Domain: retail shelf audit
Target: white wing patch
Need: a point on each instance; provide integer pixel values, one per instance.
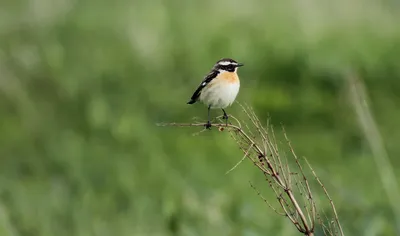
(204, 83)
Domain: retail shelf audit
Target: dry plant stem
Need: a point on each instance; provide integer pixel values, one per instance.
(306, 200)
(359, 98)
(266, 201)
(244, 157)
(328, 196)
(308, 230)
(303, 175)
(261, 148)
(305, 226)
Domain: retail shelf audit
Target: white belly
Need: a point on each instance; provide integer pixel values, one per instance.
(220, 95)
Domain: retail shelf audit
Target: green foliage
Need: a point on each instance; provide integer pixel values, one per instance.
(83, 84)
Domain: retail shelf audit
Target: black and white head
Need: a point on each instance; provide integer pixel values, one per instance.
(227, 64)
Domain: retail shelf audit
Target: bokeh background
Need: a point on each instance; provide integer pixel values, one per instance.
(83, 84)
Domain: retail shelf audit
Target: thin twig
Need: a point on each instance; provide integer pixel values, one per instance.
(266, 201)
(244, 157)
(328, 196)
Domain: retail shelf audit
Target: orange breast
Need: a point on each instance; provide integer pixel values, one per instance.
(230, 77)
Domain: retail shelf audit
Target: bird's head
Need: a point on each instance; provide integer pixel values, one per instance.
(227, 64)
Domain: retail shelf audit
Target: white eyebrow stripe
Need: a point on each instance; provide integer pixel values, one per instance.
(225, 63)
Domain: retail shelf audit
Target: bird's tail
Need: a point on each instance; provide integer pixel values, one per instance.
(191, 101)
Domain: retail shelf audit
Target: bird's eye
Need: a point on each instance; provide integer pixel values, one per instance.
(231, 68)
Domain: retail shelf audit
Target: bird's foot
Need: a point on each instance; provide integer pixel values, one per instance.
(208, 125)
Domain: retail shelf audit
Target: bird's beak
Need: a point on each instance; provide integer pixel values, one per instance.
(240, 64)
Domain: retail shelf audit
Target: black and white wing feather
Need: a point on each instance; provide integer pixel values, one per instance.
(203, 84)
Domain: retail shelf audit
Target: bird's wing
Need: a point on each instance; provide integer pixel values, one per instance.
(203, 84)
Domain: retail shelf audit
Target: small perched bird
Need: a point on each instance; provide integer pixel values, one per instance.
(219, 88)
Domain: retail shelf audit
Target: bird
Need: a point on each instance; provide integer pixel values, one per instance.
(219, 88)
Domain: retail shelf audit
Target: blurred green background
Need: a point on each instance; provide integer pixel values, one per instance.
(83, 83)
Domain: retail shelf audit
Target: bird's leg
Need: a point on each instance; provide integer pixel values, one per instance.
(208, 125)
(225, 117)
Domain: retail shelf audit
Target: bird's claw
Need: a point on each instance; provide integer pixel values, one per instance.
(208, 125)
